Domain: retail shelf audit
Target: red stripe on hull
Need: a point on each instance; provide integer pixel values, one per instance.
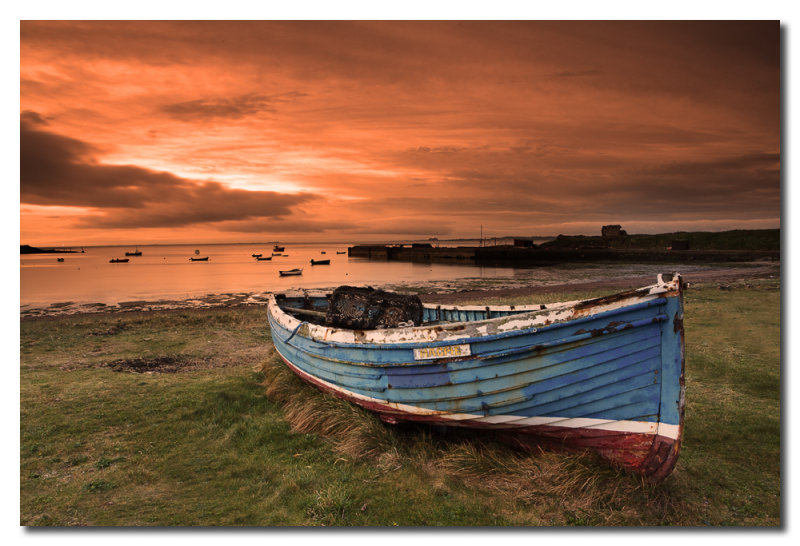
(650, 455)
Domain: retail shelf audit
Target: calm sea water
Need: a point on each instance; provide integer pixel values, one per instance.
(165, 272)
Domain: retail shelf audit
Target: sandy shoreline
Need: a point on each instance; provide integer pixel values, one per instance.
(449, 292)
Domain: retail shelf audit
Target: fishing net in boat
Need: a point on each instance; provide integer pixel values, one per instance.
(368, 308)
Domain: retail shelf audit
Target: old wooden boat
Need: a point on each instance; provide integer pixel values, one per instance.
(290, 272)
(263, 258)
(119, 260)
(320, 262)
(203, 259)
(604, 374)
(277, 248)
(256, 255)
(136, 252)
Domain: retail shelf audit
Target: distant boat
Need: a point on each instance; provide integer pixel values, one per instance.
(204, 259)
(276, 253)
(322, 252)
(118, 260)
(605, 374)
(320, 262)
(291, 272)
(256, 255)
(59, 259)
(277, 248)
(260, 259)
(136, 252)
(341, 252)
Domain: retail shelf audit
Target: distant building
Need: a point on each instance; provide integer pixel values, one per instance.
(613, 231)
(525, 243)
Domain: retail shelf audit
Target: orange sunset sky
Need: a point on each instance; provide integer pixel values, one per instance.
(212, 131)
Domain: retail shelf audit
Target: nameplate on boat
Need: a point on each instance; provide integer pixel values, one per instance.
(448, 351)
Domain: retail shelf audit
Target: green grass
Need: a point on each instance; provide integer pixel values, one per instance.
(232, 438)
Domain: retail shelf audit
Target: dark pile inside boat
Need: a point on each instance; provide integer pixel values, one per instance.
(368, 308)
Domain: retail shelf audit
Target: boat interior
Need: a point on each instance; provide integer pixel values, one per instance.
(315, 309)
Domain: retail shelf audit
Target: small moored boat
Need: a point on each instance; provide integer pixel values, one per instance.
(118, 260)
(320, 262)
(136, 252)
(341, 252)
(264, 259)
(290, 272)
(256, 255)
(203, 259)
(277, 248)
(604, 374)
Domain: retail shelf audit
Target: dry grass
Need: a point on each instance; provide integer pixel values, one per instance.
(545, 487)
(354, 432)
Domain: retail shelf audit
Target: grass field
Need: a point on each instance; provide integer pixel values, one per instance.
(187, 418)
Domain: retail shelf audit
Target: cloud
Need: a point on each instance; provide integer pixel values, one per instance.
(270, 225)
(32, 118)
(408, 226)
(575, 73)
(232, 108)
(58, 170)
(524, 188)
(725, 187)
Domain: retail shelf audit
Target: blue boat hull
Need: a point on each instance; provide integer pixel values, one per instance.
(604, 374)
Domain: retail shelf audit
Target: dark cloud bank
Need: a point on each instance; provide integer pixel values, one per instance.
(59, 170)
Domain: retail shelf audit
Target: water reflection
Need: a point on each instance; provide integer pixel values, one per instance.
(166, 272)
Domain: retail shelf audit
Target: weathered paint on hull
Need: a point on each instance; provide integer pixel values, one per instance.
(651, 455)
(606, 375)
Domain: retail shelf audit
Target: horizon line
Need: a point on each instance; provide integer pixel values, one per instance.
(381, 241)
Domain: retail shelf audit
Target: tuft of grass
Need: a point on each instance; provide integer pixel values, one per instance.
(105, 463)
(96, 486)
(353, 431)
(333, 505)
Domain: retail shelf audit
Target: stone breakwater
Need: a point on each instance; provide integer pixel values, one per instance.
(519, 256)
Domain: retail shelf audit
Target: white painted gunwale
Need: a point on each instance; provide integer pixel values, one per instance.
(531, 316)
